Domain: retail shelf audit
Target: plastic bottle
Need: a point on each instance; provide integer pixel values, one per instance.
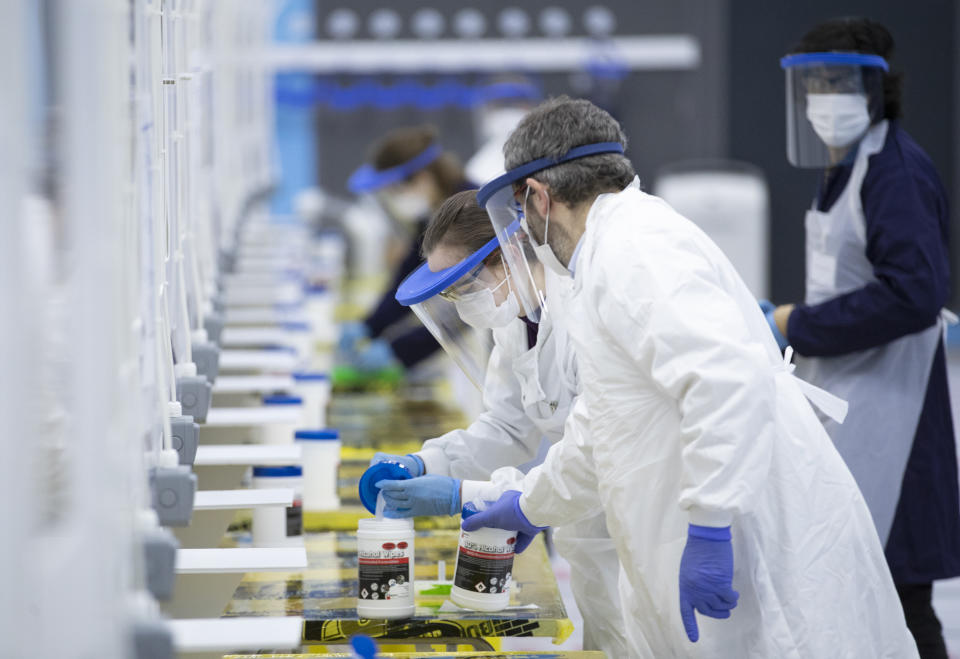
(321, 465)
(314, 388)
(282, 433)
(274, 526)
(385, 558)
(385, 567)
(481, 580)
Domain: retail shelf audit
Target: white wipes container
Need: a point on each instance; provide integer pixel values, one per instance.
(321, 466)
(385, 566)
(282, 433)
(300, 335)
(320, 306)
(313, 387)
(274, 526)
(484, 569)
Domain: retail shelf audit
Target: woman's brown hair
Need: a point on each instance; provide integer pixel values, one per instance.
(404, 144)
(459, 223)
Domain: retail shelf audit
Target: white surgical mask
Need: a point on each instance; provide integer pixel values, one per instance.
(406, 206)
(481, 311)
(838, 119)
(544, 252)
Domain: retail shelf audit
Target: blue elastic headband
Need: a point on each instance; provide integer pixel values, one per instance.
(524, 170)
(852, 59)
(423, 283)
(366, 178)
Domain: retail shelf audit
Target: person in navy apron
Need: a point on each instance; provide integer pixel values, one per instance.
(871, 327)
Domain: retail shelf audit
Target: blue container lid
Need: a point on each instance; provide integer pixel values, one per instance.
(278, 472)
(328, 434)
(310, 376)
(282, 400)
(382, 471)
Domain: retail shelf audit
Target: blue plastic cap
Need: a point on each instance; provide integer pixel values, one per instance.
(468, 511)
(309, 376)
(364, 646)
(317, 434)
(277, 472)
(382, 471)
(282, 400)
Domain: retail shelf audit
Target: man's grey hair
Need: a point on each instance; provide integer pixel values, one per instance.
(558, 125)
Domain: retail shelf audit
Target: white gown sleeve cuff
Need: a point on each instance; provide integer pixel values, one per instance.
(704, 517)
(484, 490)
(435, 461)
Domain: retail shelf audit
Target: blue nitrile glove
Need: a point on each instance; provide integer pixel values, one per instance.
(706, 576)
(505, 513)
(412, 462)
(350, 334)
(377, 356)
(424, 495)
(768, 308)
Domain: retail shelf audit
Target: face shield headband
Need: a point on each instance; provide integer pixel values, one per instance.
(367, 179)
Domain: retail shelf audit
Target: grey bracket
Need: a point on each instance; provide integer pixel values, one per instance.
(217, 302)
(152, 639)
(172, 490)
(213, 323)
(227, 260)
(185, 436)
(194, 393)
(206, 356)
(160, 551)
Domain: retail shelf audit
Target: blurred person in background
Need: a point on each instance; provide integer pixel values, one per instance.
(870, 329)
(410, 174)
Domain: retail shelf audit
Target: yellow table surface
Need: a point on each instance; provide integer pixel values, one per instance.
(325, 595)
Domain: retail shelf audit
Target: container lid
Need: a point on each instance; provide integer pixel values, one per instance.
(310, 376)
(277, 472)
(282, 400)
(328, 434)
(382, 471)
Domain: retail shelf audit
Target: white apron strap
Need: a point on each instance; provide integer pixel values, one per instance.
(833, 406)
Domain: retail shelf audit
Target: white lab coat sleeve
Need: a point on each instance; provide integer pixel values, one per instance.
(563, 490)
(672, 314)
(502, 435)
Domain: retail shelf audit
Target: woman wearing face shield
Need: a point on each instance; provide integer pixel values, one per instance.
(529, 384)
(870, 329)
(410, 175)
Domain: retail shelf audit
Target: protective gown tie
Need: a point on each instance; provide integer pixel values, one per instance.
(833, 406)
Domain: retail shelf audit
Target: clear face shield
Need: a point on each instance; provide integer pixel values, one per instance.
(503, 198)
(459, 303)
(832, 100)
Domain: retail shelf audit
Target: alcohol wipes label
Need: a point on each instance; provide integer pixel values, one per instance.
(295, 520)
(384, 575)
(483, 568)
